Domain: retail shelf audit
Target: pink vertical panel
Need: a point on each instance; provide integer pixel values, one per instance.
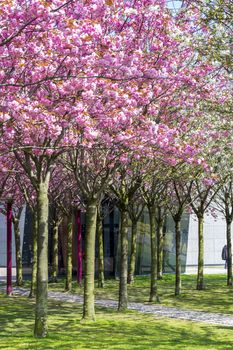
(79, 248)
(9, 248)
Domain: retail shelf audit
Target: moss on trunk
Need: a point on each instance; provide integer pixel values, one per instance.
(41, 329)
(99, 231)
(88, 305)
(69, 238)
(178, 251)
(160, 248)
(54, 273)
(153, 238)
(34, 253)
(19, 269)
(123, 294)
(133, 252)
(200, 272)
(79, 249)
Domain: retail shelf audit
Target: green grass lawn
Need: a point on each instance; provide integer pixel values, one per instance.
(217, 297)
(111, 331)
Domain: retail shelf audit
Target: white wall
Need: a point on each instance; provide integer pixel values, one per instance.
(214, 240)
(3, 238)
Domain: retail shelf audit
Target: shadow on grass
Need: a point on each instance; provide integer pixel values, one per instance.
(111, 331)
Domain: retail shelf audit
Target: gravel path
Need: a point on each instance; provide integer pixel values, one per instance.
(164, 311)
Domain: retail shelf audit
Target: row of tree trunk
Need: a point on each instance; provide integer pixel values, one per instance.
(94, 226)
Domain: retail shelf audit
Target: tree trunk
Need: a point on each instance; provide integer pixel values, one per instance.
(178, 251)
(133, 252)
(41, 328)
(160, 249)
(88, 305)
(123, 295)
(54, 273)
(153, 237)
(34, 254)
(79, 249)
(99, 231)
(68, 285)
(9, 249)
(200, 272)
(229, 253)
(19, 268)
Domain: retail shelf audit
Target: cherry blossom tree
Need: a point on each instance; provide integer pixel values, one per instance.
(85, 83)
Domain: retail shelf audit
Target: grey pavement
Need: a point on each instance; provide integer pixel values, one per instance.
(159, 310)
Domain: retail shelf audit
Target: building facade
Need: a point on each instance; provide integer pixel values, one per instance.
(214, 240)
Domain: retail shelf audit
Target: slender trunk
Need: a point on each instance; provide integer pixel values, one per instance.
(34, 254)
(88, 305)
(153, 237)
(19, 268)
(229, 253)
(9, 249)
(178, 251)
(54, 273)
(200, 272)
(123, 295)
(79, 249)
(99, 231)
(160, 249)
(68, 285)
(41, 328)
(133, 252)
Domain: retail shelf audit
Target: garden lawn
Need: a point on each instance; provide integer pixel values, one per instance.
(111, 331)
(216, 297)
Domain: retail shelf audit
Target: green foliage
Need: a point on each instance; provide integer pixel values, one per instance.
(111, 331)
(217, 15)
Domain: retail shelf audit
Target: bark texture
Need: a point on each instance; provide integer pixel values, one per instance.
(153, 237)
(123, 294)
(160, 248)
(88, 305)
(68, 284)
(41, 311)
(19, 268)
(79, 249)
(133, 253)
(54, 273)
(34, 254)
(178, 251)
(200, 272)
(99, 231)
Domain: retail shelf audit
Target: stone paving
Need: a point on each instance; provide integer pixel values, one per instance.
(159, 310)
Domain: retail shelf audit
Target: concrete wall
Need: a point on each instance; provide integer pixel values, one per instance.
(214, 240)
(3, 238)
